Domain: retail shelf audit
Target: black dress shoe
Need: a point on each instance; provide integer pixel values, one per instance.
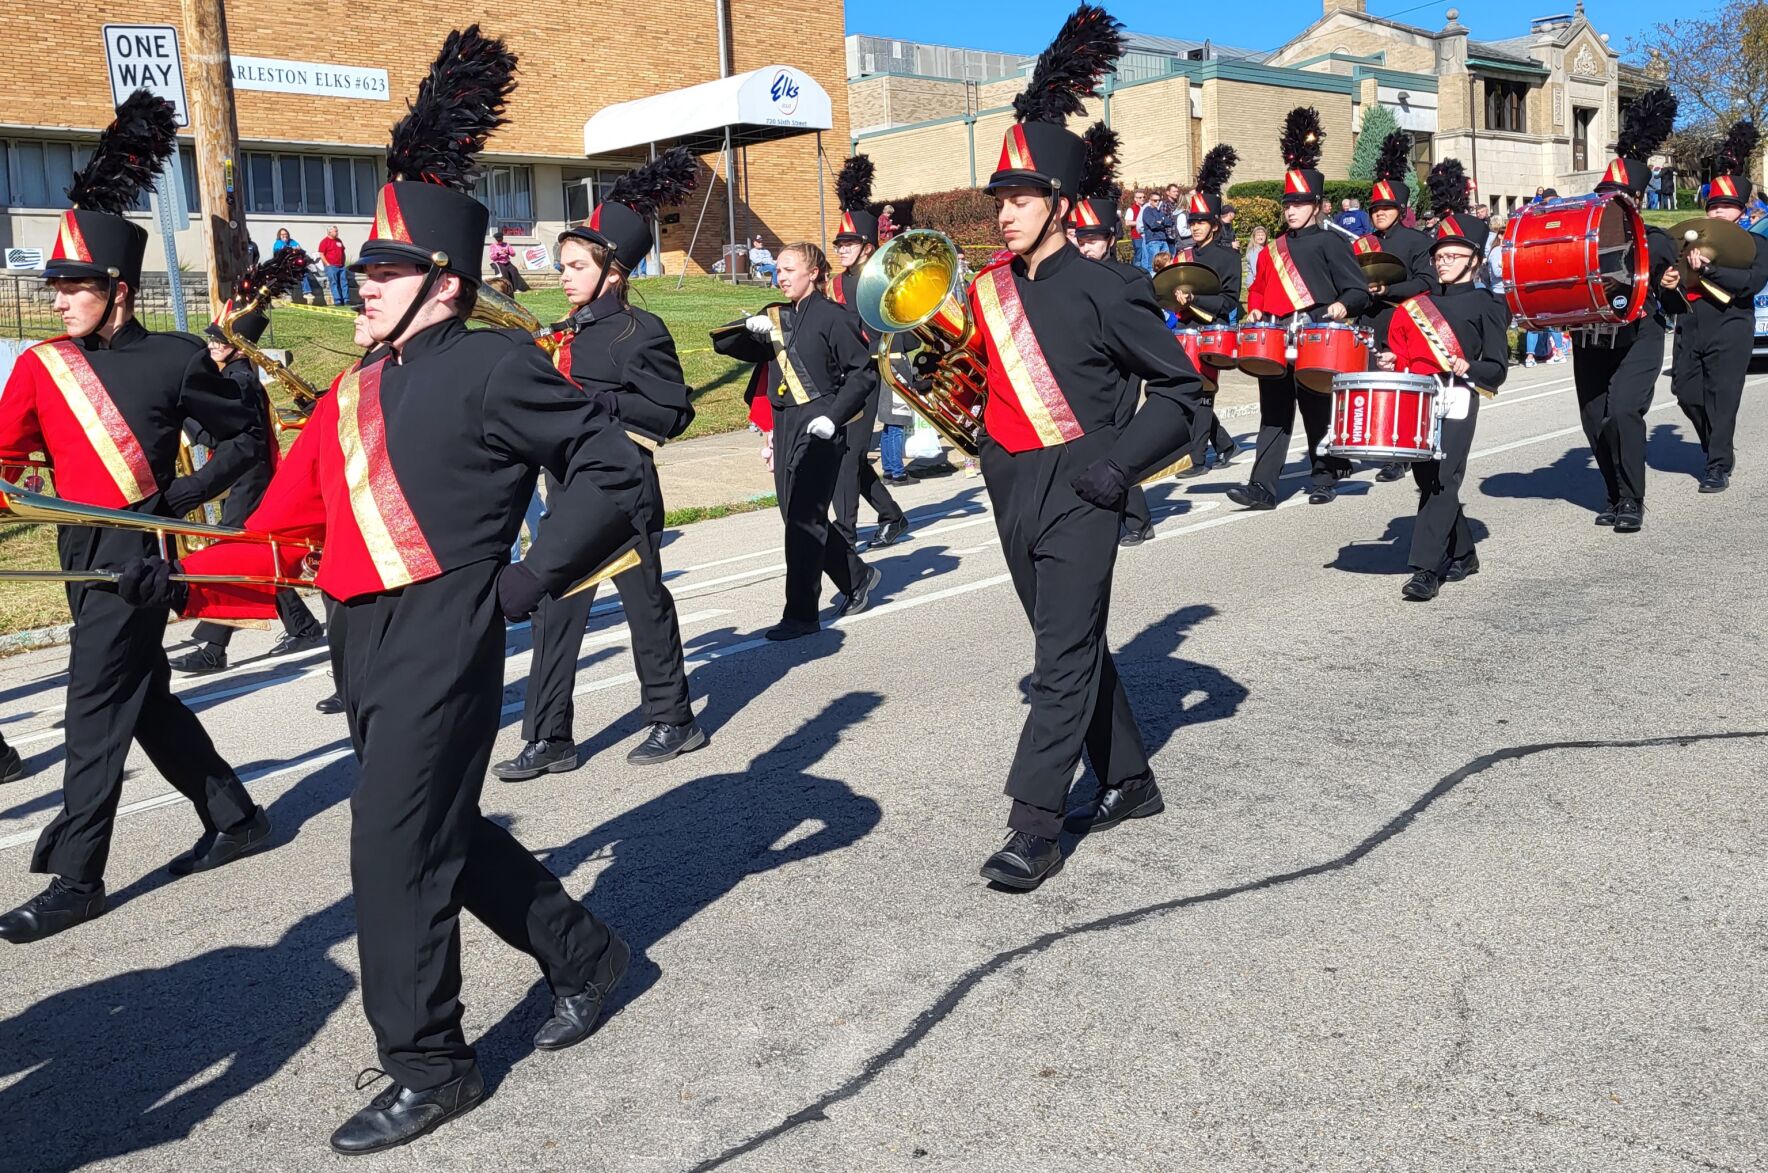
(206, 659)
(1322, 495)
(1423, 586)
(1629, 516)
(787, 629)
(58, 907)
(861, 598)
(1253, 496)
(666, 741)
(1114, 805)
(288, 645)
(1194, 469)
(891, 532)
(1023, 862)
(1224, 457)
(216, 848)
(1715, 482)
(12, 766)
(1460, 568)
(1393, 470)
(575, 1017)
(331, 706)
(555, 756)
(899, 481)
(1607, 515)
(399, 1115)
(1135, 535)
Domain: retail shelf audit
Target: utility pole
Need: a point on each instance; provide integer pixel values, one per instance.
(209, 78)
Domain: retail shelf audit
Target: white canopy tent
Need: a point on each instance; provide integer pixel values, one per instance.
(762, 105)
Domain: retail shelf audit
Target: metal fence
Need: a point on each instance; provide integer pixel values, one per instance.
(27, 308)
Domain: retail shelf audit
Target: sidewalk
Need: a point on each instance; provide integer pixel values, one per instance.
(727, 469)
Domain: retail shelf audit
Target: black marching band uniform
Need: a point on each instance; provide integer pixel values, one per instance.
(300, 630)
(1715, 337)
(817, 374)
(612, 342)
(1615, 369)
(108, 415)
(1064, 346)
(1305, 272)
(416, 472)
(1205, 209)
(1429, 332)
(1407, 247)
(853, 187)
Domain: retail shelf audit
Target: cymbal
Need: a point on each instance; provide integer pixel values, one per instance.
(1382, 268)
(1195, 279)
(1723, 242)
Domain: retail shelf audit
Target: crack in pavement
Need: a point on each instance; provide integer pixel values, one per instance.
(959, 989)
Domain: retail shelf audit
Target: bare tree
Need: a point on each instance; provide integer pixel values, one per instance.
(1717, 67)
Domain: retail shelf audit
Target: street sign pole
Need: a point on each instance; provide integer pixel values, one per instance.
(168, 189)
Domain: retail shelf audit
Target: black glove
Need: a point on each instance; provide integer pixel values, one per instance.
(146, 584)
(518, 592)
(182, 496)
(1102, 483)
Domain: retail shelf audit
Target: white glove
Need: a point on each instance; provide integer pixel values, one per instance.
(822, 427)
(759, 325)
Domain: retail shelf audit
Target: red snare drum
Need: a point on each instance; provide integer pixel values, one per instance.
(1262, 349)
(1326, 349)
(1218, 346)
(1191, 342)
(1578, 261)
(1384, 417)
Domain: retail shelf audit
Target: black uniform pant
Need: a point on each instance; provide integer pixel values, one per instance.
(1279, 396)
(421, 674)
(297, 620)
(1208, 432)
(119, 689)
(1615, 386)
(1712, 360)
(1441, 531)
(650, 618)
(805, 471)
(859, 479)
(1061, 552)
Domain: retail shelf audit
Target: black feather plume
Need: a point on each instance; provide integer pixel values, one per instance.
(1084, 51)
(458, 107)
(1303, 138)
(128, 156)
(270, 279)
(1740, 143)
(664, 182)
(1098, 180)
(1218, 165)
(853, 185)
(1646, 125)
(1395, 160)
(1448, 186)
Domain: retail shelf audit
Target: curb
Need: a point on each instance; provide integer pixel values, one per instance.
(37, 637)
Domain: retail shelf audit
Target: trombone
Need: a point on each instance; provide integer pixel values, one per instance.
(299, 390)
(505, 312)
(23, 507)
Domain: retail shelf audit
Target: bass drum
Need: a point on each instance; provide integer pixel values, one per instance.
(1579, 261)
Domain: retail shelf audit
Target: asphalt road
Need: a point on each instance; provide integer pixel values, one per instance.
(1473, 885)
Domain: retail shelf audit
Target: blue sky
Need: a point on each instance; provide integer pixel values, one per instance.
(1255, 24)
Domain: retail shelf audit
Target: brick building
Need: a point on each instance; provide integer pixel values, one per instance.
(315, 158)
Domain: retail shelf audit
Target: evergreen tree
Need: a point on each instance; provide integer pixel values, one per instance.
(1378, 123)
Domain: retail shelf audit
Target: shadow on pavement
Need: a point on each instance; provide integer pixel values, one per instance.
(1392, 551)
(1572, 477)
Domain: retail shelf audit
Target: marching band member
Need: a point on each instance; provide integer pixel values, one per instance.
(1455, 329)
(1715, 337)
(612, 342)
(1209, 248)
(1310, 273)
(1388, 200)
(416, 472)
(1615, 369)
(1066, 340)
(106, 403)
(855, 242)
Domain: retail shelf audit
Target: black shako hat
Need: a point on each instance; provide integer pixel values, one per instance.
(93, 238)
(1096, 212)
(1644, 128)
(621, 223)
(853, 192)
(1732, 184)
(1391, 169)
(426, 213)
(256, 288)
(1206, 195)
(1301, 143)
(1038, 150)
(1447, 183)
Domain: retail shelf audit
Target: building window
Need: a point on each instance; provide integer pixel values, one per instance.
(310, 185)
(581, 197)
(1421, 151)
(35, 173)
(1582, 118)
(1506, 102)
(509, 192)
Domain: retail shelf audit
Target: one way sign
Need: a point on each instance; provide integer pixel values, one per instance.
(145, 56)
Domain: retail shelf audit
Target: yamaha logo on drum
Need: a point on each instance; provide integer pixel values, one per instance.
(784, 92)
(1359, 417)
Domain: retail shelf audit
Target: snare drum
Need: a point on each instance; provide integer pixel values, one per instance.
(1218, 346)
(1191, 342)
(1261, 349)
(1381, 416)
(1576, 261)
(1326, 349)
